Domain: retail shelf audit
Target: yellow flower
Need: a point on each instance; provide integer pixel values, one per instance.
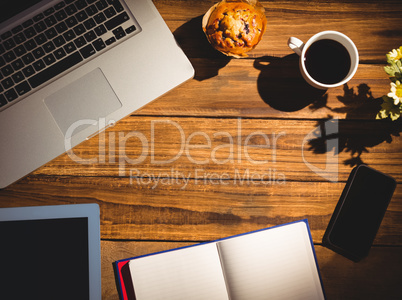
(395, 54)
(396, 92)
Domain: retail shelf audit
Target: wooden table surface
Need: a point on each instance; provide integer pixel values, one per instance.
(237, 148)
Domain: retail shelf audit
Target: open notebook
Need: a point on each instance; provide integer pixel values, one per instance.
(274, 263)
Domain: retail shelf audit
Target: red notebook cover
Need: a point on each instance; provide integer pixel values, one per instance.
(123, 278)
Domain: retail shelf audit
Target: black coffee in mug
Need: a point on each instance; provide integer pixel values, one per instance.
(327, 61)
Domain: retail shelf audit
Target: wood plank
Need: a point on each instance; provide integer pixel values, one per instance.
(376, 277)
(198, 211)
(260, 89)
(141, 146)
(367, 23)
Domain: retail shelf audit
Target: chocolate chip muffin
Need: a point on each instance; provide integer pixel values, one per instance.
(234, 28)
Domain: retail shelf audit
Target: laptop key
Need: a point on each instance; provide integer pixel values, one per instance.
(28, 71)
(99, 44)
(31, 44)
(7, 70)
(69, 35)
(27, 23)
(89, 24)
(81, 4)
(40, 26)
(80, 41)
(7, 83)
(59, 5)
(117, 5)
(19, 38)
(99, 18)
(51, 33)
(49, 47)
(61, 27)
(9, 56)
(11, 95)
(20, 50)
(101, 4)
(71, 21)
(119, 32)
(55, 69)
(49, 11)
(38, 17)
(22, 88)
(70, 47)
(87, 51)
(50, 21)
(17, 64)
(90, 36)
(28, 58)
(130, 29)
(91, 10)
(18, 77)
(110, 12)
(38, 52)
(49, 59)
(101, 29)
(117, 21)
(60, 15)
(71, 9)
(59, 41)
(110, 41)
(9, 44)
(81, 16)
(39, 65)
(29, 32)
(59, 53)
(40, 39)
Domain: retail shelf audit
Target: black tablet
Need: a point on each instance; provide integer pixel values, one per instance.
(50, 252)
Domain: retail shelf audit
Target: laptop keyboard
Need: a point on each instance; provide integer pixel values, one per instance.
(56, 40)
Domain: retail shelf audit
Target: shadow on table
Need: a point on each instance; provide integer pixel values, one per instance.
(354, 136)
(375, 277)
(195, 45)
(281, 85)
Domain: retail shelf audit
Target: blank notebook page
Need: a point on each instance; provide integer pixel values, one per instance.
(190, 273)
(271, 264)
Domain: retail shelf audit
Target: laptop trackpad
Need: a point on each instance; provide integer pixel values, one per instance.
(85, 100)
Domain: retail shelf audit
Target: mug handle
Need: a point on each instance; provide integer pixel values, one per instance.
(296, 45)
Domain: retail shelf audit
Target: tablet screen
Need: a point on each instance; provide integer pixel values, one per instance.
(44, 259)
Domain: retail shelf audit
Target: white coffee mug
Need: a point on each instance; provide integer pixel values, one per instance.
(301, 48)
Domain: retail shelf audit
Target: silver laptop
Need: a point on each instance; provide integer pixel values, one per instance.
(50, 252)
(69, 68)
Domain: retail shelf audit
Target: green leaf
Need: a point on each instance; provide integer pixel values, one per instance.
(388, 109)
(394, 69)
(391, 69)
